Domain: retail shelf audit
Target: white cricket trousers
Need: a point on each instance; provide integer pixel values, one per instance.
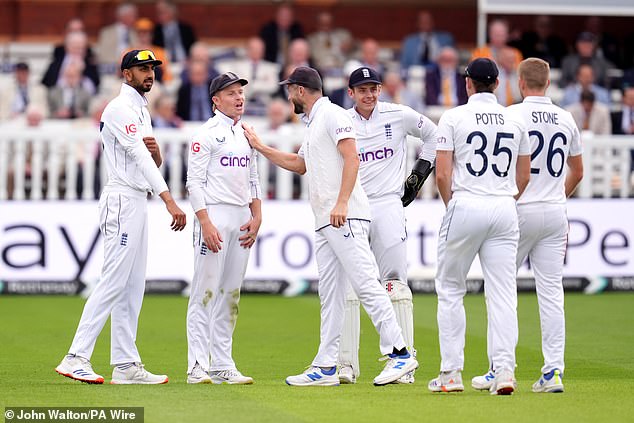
(487, 226)
(344, 253)
(119, 292)
(212, 311)
(543, 237)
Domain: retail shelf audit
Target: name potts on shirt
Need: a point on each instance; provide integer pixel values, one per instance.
(489, 118)
(235, 161)
(380, 154)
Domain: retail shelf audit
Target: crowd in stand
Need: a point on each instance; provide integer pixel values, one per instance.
(596, 81)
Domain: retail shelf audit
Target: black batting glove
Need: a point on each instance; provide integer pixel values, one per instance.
(421, 170)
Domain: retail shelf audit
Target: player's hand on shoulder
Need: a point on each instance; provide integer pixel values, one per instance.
(251, 136)
(179, 219)
(339, 214)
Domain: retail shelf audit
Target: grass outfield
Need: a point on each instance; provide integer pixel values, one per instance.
(278, 336)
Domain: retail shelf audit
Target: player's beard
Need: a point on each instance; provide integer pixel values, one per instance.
(298, 107)
(142, 86)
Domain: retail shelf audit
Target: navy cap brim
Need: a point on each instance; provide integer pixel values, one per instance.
(365, 81)
(240, 81)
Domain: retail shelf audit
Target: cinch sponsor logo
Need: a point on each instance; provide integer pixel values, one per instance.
(368, 156)
(235, 161)
(343, 130)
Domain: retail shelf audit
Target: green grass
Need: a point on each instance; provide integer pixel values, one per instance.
(277, 337)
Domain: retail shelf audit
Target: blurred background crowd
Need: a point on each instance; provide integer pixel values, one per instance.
(592, 76)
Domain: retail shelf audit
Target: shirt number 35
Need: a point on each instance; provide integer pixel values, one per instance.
(502, 155)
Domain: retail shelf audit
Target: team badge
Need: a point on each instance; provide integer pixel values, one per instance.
(220, 140)
(388, 131)
(124, 239)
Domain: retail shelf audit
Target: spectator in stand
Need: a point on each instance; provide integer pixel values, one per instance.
(75, 49)
(175, 36)
(164, 113)
(330, 46)
(508, 90)
(586, 54)
(445, 84)
(199, 52)
(541, 42)
(498, 33)
(370, 55)
(394, 91)
(144, 29)
(263, 76)
(423, 47)
(299, 53)
(585, 81)
(590, 115)
(278, 126)
(19, 92)
(69, 99)
(193, 102)
(607, 44)
(74, 25)
(116, 39)
(623, 120)
(278, 34)
(340, 96)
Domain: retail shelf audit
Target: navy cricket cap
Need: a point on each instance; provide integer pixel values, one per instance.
(139, 57)
(304, 76)
(482, 70)
(223, 81)
(363, 76)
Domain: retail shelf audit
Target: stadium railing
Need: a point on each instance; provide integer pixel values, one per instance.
(62, 160)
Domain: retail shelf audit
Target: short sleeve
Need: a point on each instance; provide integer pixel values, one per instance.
(445, 133)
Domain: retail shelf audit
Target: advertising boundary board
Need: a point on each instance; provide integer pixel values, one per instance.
(54, 247)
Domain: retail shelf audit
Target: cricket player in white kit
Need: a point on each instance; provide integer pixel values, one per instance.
(132, 158)
(543, 222)
(382, 130)
(342, 213)
(224, 190)
(482, 163)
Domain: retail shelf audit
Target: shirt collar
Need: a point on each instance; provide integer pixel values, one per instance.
(133, 95)
(225, 119)
(537, 99)
(483, 98)
(316, 106)
(374, 113)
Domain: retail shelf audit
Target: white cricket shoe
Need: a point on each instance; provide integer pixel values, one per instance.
(230, 377)
(396, 367)
(447, 382)
(504, 383)
(136, 375)
(198, 376)
(347, 376)
(315, 376)
(484, 382)
(550, 382)
(407, 378)
(78, 368)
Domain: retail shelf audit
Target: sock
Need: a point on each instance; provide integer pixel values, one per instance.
(328, 371)
(402, 351)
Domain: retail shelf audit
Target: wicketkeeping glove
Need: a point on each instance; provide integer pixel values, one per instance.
(421, 170)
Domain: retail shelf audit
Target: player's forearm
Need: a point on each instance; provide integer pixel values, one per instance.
(523, 174)
(348, 178)
(158, 159)
(203, 217)
(256, 209)
(444, 188)
(288, 161)
(574, 175)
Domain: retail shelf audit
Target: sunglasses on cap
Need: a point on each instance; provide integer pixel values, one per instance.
(145, 55)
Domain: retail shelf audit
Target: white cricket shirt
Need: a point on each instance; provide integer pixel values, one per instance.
(382, 146)
(325, 127)
(486, 139)
(553, 137)
(222, 166)
(124, 123)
